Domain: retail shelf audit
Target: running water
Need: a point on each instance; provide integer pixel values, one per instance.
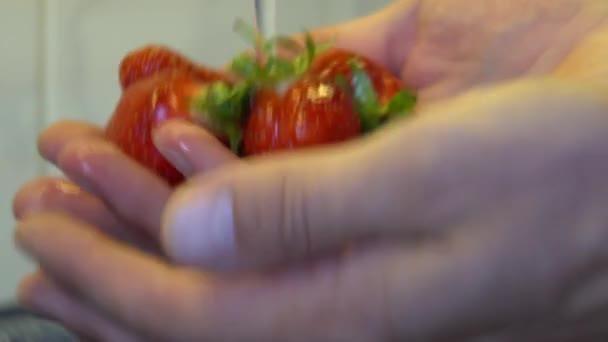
(265, 15)
(264, 21)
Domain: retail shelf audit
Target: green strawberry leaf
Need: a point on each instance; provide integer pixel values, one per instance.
(366, 99)
(246, 66)
(342, 82)
(235, 136)
(401, 103)
(271, 68)
(276, 69)
(223, 107)
(311, 48)
(371, 112)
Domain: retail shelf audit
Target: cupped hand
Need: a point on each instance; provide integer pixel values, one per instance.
(450, 217)
(462, 234)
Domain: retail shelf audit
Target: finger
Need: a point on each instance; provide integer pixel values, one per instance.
(53, 139)
(42, 296)
(134, 289)
(290, 206)
(190, 148)
(144, 294)
(410, 180)
(51, 194)
(127, 188)
(383, 292)
(385, 36)
(471, 266)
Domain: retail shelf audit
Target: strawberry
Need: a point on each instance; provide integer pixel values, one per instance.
(336, 62)
(170, 94)
(321, 96)
(310, 112)
(150, 59)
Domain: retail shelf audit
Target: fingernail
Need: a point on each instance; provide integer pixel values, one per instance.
(198, 228)
(36, 197)
(78, 161)
(171, 140)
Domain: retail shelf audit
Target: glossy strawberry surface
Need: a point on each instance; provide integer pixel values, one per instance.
(335, 61)
(264, 103)
(142, 107)
(333, 96)
(310, 112)
(151, 59)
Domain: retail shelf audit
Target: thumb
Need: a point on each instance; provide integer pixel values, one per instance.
(190, 148)
(290, 206)
(441, 169)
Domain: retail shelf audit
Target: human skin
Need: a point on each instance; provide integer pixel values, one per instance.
(487, 208)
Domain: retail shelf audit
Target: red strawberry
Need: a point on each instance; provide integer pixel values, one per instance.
(309, 100)
(334, 62)
(312, 100)
(169, 94)
(310, 112)
(150, 59)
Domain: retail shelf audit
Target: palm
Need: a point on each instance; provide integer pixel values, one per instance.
(461, 44)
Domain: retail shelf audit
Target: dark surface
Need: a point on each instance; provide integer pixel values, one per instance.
(17, 325)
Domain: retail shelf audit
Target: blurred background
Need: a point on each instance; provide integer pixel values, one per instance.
(59, 60)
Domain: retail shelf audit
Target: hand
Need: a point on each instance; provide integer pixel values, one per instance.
(101, 308)
(444, 48)
(478, 242)
(108, 191)
(105, 187)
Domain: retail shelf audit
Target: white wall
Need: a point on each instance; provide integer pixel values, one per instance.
(59, 60)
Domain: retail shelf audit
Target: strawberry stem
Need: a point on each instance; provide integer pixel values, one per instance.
(253, 36)
(235, 136)
(272, 68)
